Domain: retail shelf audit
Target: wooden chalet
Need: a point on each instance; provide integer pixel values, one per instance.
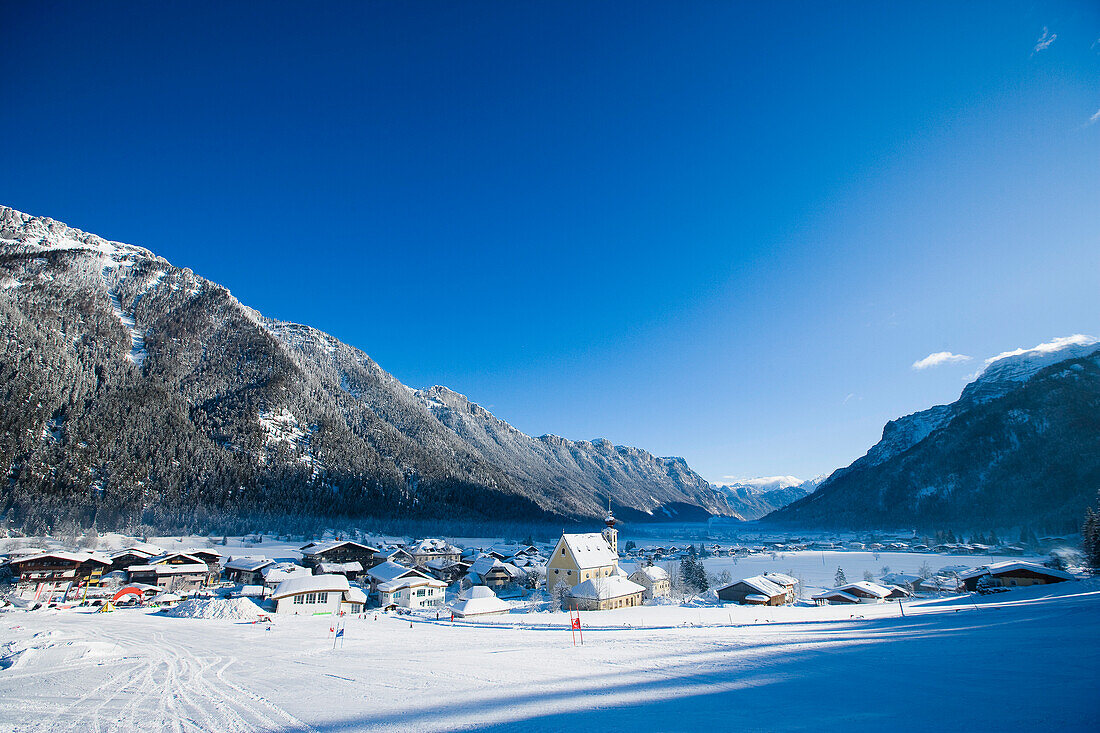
(1012, 574)
(338, 551)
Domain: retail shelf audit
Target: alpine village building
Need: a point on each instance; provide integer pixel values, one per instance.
(589, 565)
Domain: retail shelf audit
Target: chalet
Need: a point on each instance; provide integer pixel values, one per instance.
(392, 554)
(866, 591)
(177, 572)
(654, 579)
(212, 558)
(136, 555)
(487, 570)
(338, 551)
(603, 593)
(413, 591)
(581, 557)
(1012, 574)
(311, 595)
(834, 596)
(52, 570)
(390, 571)
(446, 570)
(433, 549)
(478, 601)
(247, 570)
(757, 590)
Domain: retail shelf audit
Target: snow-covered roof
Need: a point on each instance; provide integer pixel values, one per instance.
(317, 548)
(1001, 568)
(389, 570)
(139, 551)
(487, 563)
(590, 550)
(166, 569)
(341, 567)
(479, 601)
(311, 584)
(652, 572)
(249, 564)
(275, 574)
(835, 594)
(900, 578)
(602, 589)
(760, 584)
(432, 546)
(77, 557)
(781, 579)
(414, 581)
(757, 598)
(866, 587)
(355, 595)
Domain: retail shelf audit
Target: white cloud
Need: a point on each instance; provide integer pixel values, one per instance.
(940, 357)
(1044, 41)
(1095, 117)
(1077, 339)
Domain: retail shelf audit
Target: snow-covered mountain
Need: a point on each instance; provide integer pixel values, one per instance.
(1021, 446)
(135, 391)
(753, 498)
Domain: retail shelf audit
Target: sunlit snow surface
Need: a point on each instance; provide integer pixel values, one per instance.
(1024, 660)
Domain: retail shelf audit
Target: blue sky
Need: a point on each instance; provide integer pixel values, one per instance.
(717, 230)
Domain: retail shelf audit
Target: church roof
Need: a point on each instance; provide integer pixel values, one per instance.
(590, 550)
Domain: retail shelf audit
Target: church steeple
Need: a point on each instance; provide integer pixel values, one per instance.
(611, 534)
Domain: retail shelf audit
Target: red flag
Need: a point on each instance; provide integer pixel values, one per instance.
(576, 622)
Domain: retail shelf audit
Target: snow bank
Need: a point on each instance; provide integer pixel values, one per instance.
(218, 608)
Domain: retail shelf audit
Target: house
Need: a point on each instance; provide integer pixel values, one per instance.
(786, 582)
(867, 592)
(756, 590)
(136, 555)
(603, 593)
(177, 572)
(350, 570)
(1012, 574)
(433, 549)
(834, 596)
(390, 571)
(487, 570)
(902, 579)
(311, 595)
(276, 573)
(939, 584)
(479, 601)
(247, 570)
(581, 557)
(446, 570)
(337, 551)
(53, 570)
(412, 591)
(212, 558)
(392, 554)
(654, 579)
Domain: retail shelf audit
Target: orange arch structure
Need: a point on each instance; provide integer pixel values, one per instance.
(128, 591)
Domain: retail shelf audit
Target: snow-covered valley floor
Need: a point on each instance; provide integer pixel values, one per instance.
(1023, 660)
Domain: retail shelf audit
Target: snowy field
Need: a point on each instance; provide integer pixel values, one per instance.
(1021, 660)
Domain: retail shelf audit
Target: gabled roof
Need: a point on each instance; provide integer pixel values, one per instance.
(433, 546)
(411, 581)
(487, 563)
(1001, 568)
(781, 579)
(318, 548)
(589, 550)
(865, 588)
(77, 557)
(762, 585)
(249, 564)
(311, 584)
(835, 594)
(389, 570)
(479, 601)
(606, 588)
(276, 574)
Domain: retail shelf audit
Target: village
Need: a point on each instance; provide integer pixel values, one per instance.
(437, 578)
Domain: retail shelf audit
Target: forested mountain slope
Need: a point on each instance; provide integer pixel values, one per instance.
(1020, 447)
(134, 391)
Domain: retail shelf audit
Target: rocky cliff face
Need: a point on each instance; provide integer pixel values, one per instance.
(1020, 447)
(136, 391)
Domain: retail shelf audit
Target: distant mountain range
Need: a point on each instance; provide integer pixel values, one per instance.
(755, 498)
(1020, 447)
(136, 392)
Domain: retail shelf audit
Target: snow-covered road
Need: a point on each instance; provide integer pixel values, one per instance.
(1021, 660)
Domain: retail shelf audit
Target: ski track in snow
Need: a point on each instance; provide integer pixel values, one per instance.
(137, 335)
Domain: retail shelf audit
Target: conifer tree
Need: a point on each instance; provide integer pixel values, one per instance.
(840, 578)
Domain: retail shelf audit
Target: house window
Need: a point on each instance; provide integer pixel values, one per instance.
(555, 571)
(299, 599)
(563, 551)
